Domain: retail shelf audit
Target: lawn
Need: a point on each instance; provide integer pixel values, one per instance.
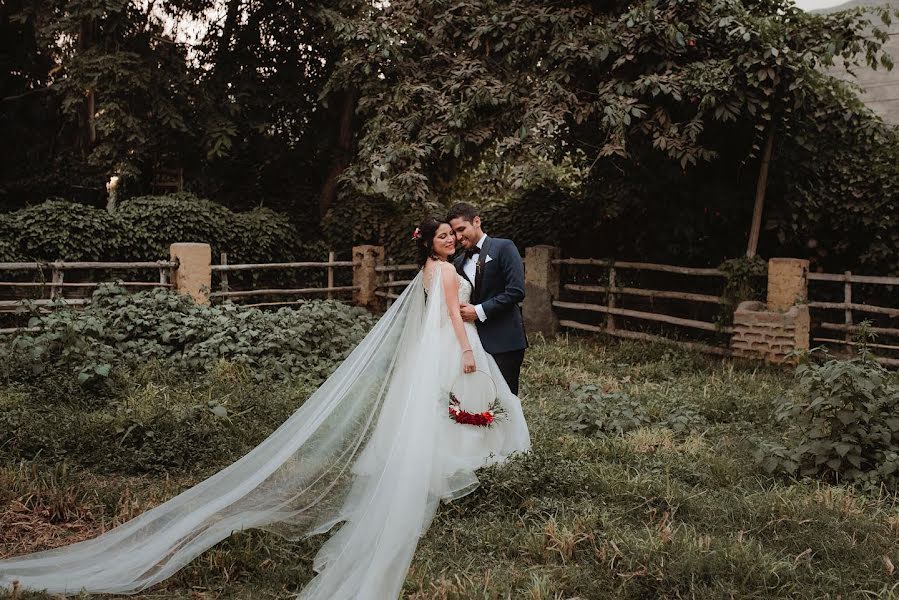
(674, 507)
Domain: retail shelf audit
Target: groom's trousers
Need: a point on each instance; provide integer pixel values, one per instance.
(509, 364)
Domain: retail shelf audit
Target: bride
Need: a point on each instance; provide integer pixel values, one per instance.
(373, 449)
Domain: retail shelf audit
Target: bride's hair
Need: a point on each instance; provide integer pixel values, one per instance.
(424, 242)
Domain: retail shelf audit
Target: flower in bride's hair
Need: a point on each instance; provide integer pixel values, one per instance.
(416, 234)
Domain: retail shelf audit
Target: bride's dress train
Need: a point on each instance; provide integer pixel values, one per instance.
(373, 448)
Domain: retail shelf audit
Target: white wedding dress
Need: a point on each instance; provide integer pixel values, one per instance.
(373, 449)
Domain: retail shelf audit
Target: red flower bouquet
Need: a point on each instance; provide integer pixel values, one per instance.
(481, 419)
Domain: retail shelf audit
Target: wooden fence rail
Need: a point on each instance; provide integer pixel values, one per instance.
(849, 307)
(224, 268)
(615, 293)
(57, 284)
(388, 290)
(623, 264)
(373, 279)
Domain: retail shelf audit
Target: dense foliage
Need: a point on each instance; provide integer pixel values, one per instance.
(843, 424)
(143, 228)
(102, 86)
(594, 412)
(663, 105)
(640, 122)
(117, 328)
(646, 514)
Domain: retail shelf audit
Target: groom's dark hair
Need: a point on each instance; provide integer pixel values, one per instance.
(464, 210)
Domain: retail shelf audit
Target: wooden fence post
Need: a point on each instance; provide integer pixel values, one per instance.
(611, 299)
(223, 260)
(193, 276)
(56, 290)
(366, 259)
(541, 285)
(332, 256)
(847, 300)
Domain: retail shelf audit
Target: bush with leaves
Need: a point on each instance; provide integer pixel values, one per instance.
(356, 219)
(843, 418)
(744, 279)
(595, 412)
(303, 343)
(142, 228)
(58, 229)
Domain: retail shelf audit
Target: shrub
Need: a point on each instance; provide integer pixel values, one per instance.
(356, 219)
(143, 228)
(58, 229)
(595, 412)
(844, 423)
(116, 328)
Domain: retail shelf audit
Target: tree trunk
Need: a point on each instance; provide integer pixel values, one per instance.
(343, 151)
(761, 186)
(224, 42)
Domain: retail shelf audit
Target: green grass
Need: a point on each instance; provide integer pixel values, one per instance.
(650, 514)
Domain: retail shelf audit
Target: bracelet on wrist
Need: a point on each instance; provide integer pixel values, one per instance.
(469, 350)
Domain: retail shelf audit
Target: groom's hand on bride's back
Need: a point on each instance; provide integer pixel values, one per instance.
(468, 312)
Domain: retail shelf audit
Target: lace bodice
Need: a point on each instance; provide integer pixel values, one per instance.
(464, 286)
(464, 290)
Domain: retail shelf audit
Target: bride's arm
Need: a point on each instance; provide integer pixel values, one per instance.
(451, 294)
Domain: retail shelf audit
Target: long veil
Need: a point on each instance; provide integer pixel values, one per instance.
(358, 451)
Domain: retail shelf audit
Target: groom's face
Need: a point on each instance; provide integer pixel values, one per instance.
(467, 232)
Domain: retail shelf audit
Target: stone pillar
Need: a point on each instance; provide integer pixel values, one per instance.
(365, 275)
(772, 331)
(194, 273)
(541, 288)
(787, 282)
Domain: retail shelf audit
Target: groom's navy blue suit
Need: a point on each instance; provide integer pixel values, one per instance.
(499, 288)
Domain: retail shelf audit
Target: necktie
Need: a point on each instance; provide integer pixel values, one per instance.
(472, 252)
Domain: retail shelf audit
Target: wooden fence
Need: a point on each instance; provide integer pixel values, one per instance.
(330, 290)
(390, 290)
(885, 319)
(53, 291)
(690, 302)
(615, 300)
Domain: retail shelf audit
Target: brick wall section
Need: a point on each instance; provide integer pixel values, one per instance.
(769, 335)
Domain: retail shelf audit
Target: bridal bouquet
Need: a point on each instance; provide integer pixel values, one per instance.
(481, 419)
(486, 418)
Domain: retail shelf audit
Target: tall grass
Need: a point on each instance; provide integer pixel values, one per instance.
(652, 513)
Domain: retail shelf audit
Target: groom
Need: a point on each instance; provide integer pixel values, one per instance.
(493, 267)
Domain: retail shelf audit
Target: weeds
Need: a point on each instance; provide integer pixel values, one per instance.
(658, 511)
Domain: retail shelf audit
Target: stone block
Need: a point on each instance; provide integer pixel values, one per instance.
(365, 274)
(769, 335)
(787, 283)
(541, 288)
(194, 273)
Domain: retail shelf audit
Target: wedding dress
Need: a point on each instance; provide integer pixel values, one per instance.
(373, 448)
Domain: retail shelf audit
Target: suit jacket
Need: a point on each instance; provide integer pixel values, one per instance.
(498, 288)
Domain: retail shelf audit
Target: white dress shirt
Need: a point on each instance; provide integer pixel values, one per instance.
(470, 267)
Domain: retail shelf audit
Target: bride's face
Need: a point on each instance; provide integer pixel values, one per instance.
(444, 244)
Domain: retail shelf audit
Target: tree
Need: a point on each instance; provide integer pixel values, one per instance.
(237, 107)
(633, 88)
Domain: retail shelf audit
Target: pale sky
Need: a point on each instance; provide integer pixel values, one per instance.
(815, 4)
